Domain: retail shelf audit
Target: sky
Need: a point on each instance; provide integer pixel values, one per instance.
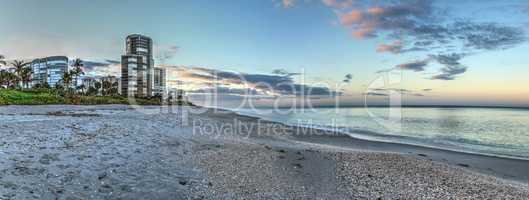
(430, 52)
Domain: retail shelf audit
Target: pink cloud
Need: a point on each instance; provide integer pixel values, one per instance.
(367, 22)
(355, 16)
(376, 10)
(288, 3)
(395, 47)
(342, 4)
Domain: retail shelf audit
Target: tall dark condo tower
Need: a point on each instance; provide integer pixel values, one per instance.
(137, 67)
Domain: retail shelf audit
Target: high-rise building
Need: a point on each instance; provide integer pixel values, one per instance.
(159, 81)
(49, 70)
(137, 67)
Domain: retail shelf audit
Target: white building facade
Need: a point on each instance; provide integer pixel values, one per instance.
(48, 70)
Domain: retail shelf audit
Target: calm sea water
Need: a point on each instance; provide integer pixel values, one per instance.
(496, 131)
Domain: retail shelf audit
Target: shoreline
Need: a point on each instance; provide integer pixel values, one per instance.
(491, 164)
(372, 136)
(506, 167)
(114, 151)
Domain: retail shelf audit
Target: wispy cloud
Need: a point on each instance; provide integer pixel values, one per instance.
(165, 53)
(284, 72)
(388, 91)
(417, 65)
(452, 66)
(102, 68)
(420, 26)
(340, 4)
(402, 16)
(450, 72)
(288, 3)
(395, 47)
(347, 78)
(262, 84)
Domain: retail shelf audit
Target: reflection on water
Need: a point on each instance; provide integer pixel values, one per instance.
(485, 130)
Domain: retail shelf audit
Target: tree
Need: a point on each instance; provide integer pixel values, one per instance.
(25, 76)
(46, 85)
(106, 88)
(77, 69)
(4, 78)
(2, 61)
(7, 78)
(97, 85)
(115, 88)
(91, 91)
(19, 66)
(82, 87)
(67, 81)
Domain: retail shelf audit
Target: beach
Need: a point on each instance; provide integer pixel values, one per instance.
(153, 152)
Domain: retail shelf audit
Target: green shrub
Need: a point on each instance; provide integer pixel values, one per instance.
(51, 96)
(13, 97)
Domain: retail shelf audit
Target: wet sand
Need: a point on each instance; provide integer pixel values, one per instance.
(114, 151)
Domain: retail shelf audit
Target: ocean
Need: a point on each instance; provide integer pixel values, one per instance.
(493, 131)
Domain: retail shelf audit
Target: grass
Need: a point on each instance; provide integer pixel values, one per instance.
(13, 97)
(47, 97)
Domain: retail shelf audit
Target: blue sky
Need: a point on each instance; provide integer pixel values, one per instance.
(324, 39)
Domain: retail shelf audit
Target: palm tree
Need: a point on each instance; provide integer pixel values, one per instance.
(7, 78)
(82, 87)
(78, 69)
(25, 76)
(67, 81)
(106, 87)
(91, 91)
(19, 66)
(115, 88)
(2, 61)
(97, 85)
(3, 78)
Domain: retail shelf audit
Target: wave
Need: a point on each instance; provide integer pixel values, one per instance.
(436, 141)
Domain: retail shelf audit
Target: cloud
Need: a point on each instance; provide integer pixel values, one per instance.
(384, 71)
(113, 62)
(400, 16)
(416, 21)
(417, 65)
(450, 72)
(90, 65)
(263, 84)
(348, 78)
(448, 59)
(102, 68)
(283, 72)
(452, 66)
(375, 94)
(488, 36)
(417, 25)
(388, 91)
(166, 53)
(395, 47)
(225, 90)
(427, 90)
(288, 3)
(340, 4)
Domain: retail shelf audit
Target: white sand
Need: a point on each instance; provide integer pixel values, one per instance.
(110, 152)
